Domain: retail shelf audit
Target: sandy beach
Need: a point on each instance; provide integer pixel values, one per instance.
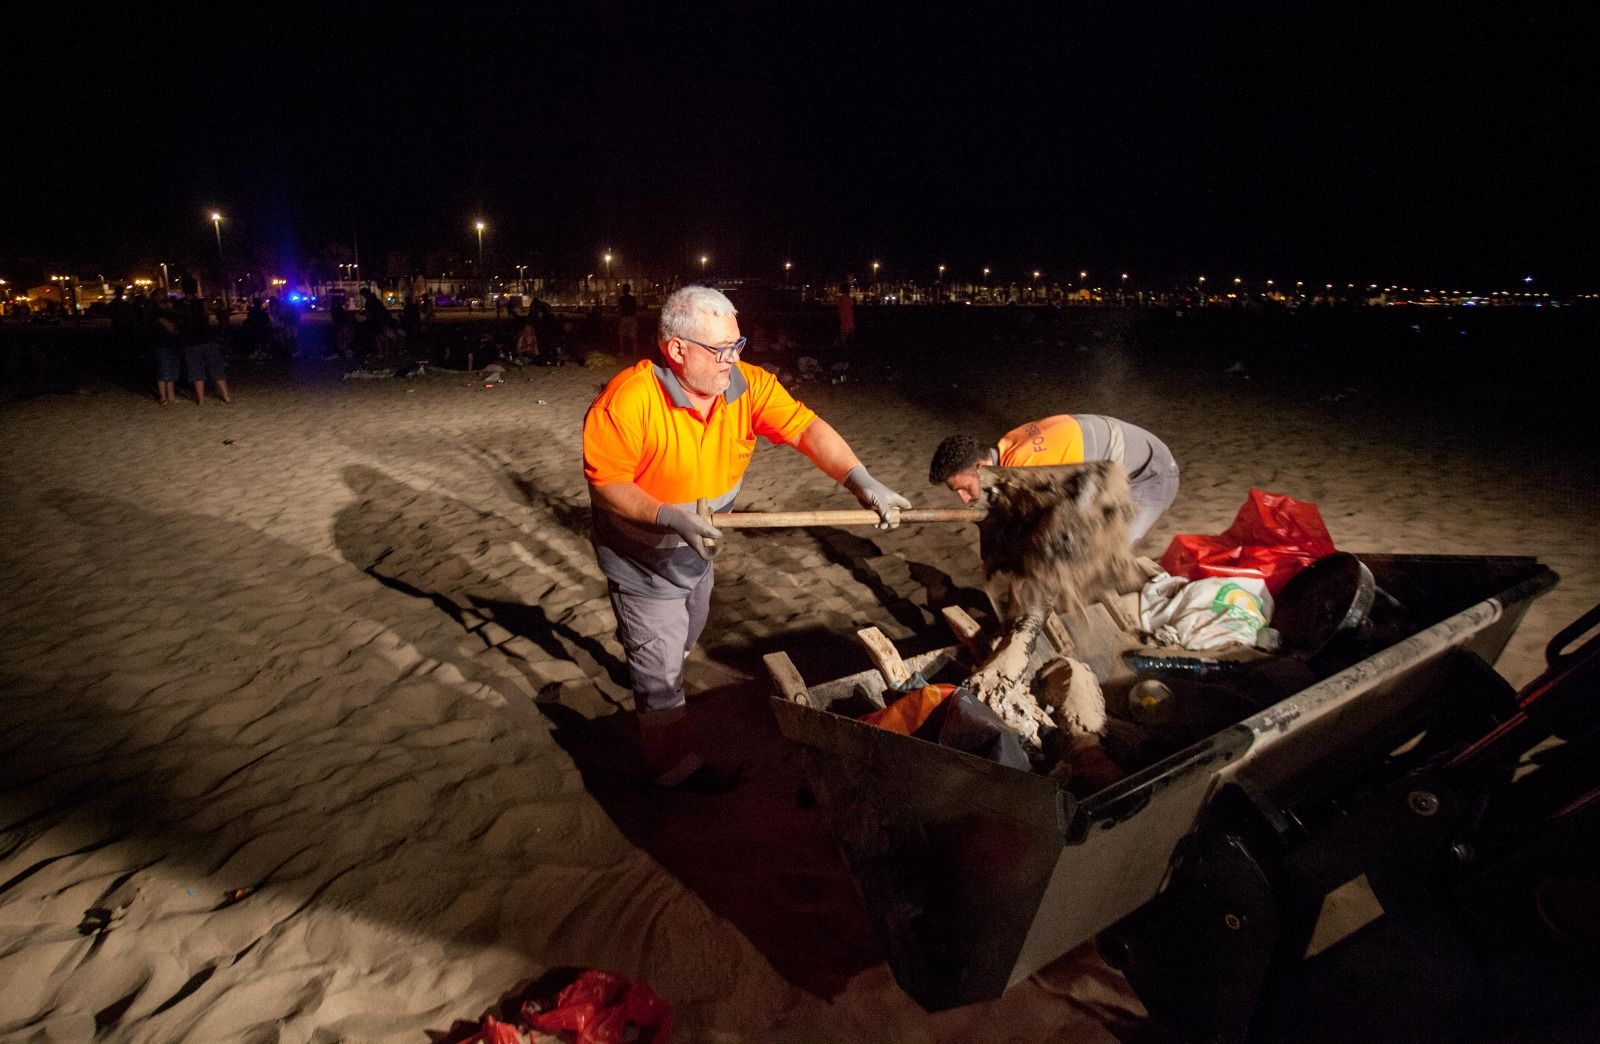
(343, 645)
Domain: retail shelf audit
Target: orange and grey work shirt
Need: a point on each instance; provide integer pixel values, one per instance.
(1075, 438)
(641, 429)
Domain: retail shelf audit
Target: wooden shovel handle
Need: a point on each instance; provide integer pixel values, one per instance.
(857, 517)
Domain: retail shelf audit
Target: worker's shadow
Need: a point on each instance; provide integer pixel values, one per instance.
(432, 546)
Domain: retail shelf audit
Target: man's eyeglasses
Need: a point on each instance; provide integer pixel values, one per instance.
(729, 353)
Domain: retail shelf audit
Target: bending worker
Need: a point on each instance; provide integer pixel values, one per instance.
(660, 436)
(1068, 438)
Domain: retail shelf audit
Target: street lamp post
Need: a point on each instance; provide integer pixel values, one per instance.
(703, 260)
(522, 280)
(479, 226)
(222, 265)
(608, 274)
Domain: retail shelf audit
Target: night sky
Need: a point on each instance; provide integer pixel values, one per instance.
(1295, 141)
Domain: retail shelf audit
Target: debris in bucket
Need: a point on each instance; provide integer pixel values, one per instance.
(1053, 537)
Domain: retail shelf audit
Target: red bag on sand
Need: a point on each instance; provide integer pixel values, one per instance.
(906, 714)
(1272, 538)
(600, 1006)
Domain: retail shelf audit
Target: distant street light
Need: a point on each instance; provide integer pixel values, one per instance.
(608, 267)
(703, 260)
(479, 226)
(222, 266)
(522, 282)
(985, 276)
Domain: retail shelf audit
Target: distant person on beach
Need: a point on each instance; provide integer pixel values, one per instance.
(628, 323)
(219, 309)
(256, 328)
(847, 315)
(661, 436)
(527, 347)
(411, 318)
(343, 324)
(124, 321)
(374, 309)
(1067, 439)
(202, 354)
(378, 321)
(160, 329)
(283, 320)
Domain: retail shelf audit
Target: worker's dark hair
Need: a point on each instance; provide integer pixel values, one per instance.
(955, 454)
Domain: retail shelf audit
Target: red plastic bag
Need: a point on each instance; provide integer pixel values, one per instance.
(600, 1006)
(1272, 538)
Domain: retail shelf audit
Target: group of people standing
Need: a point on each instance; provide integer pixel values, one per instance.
(178, 335)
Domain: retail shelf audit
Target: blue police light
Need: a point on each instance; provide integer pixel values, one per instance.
(296, 298)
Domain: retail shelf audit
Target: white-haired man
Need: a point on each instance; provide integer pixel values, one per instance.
(661, 436)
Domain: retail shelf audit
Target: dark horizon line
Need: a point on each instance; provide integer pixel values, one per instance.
(861, 273)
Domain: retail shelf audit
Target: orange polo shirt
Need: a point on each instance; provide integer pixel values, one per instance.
(1054, 440)
(641, 429)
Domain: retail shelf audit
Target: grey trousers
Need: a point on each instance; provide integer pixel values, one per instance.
(656, 635)
(1152, 469)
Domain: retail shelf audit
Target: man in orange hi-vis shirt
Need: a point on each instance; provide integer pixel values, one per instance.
(1067, 438)
(660, 436)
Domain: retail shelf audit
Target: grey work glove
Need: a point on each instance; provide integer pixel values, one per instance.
(875, 495)
(694, 529)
